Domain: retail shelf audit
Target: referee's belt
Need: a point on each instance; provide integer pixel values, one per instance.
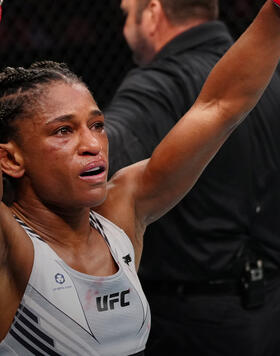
(214, 287)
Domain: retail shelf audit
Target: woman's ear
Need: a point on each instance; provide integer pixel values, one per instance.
(11, 160)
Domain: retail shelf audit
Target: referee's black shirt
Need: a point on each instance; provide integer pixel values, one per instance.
(237, 197)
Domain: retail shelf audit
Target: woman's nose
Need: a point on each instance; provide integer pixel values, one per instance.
(89, 143)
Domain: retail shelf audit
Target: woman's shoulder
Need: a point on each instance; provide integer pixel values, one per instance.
(119, 202)
(122, 188)
(120, 205)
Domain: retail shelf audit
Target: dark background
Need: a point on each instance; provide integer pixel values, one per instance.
(87, 35)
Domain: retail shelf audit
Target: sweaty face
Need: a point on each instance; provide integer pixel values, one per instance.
(136, 32)
(64, 147)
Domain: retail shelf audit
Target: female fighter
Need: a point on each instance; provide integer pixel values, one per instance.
(70, 243)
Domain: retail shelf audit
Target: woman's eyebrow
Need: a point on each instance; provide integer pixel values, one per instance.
(70, 117)
(62, 118)
(96, 112)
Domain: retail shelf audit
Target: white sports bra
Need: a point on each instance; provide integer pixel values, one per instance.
(65, 312)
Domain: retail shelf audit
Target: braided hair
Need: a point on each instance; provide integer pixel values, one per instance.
(20, 88)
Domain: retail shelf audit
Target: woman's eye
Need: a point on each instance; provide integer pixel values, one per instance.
(98, 126)
(63, 130)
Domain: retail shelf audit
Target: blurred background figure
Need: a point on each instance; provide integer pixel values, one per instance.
(210, 267)
(85, 34)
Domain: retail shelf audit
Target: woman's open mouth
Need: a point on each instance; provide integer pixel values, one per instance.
(93, 172)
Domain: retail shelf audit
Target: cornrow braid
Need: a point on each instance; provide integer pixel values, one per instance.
(19, 89)
(18, 86)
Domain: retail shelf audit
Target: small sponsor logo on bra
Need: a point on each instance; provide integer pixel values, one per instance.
(59, 278)
(127, 259)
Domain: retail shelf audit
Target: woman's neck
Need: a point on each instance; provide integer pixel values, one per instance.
(53, 225)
